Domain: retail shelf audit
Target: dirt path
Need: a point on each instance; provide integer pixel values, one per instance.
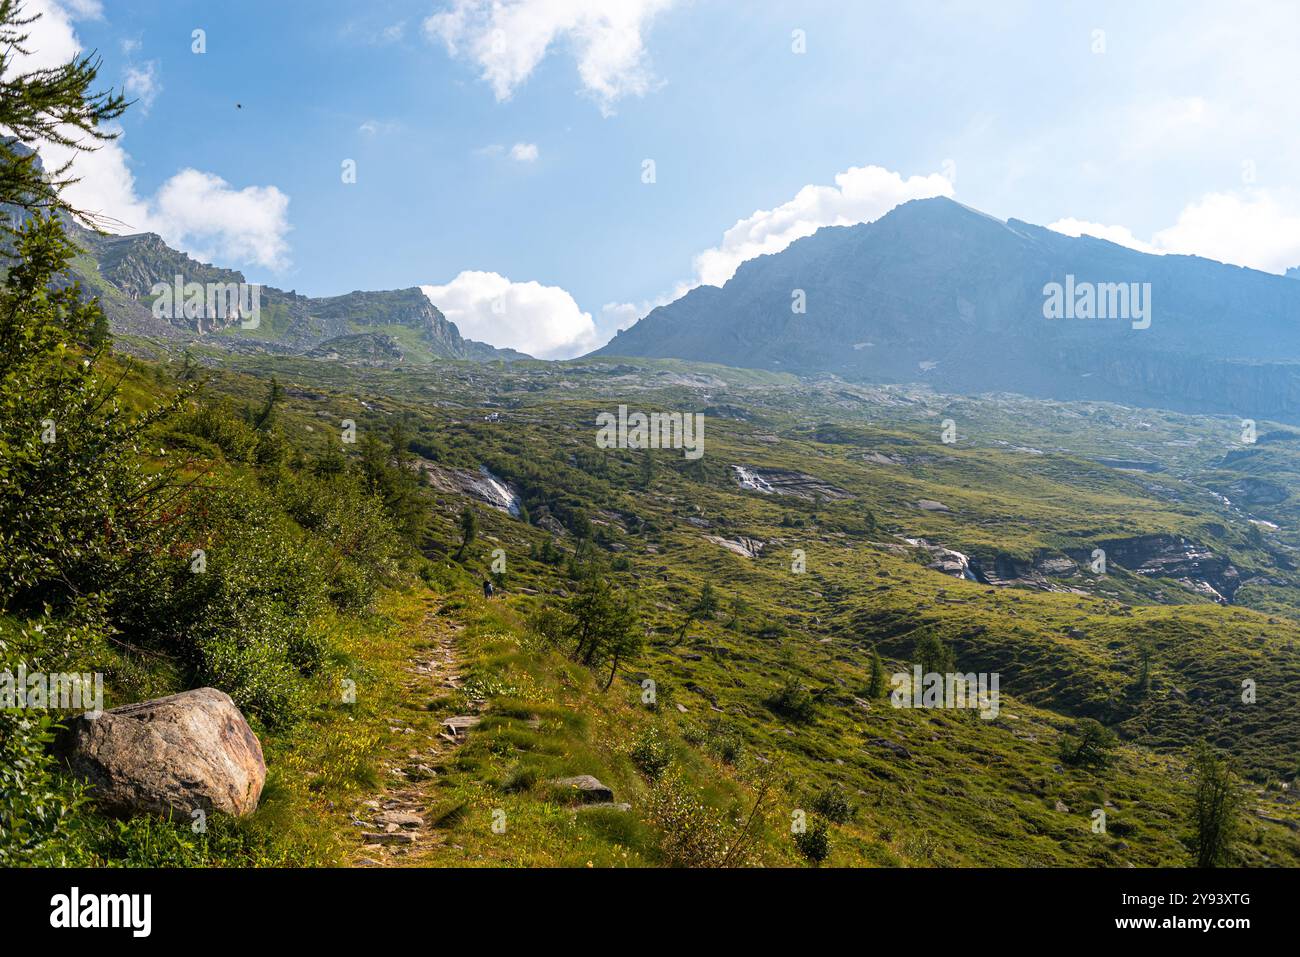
(393, 826)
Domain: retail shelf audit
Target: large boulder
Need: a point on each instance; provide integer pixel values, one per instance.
(177, 754)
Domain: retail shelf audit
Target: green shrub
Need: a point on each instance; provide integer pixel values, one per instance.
(245, 619)
(77, 502)
(36, 804)
(814, 841)
(651, 753)
(218, 424)
(833, 804)
(351, 532)
(1089, 744)
(550, 624)
(719, 737)
(691, 832)
(792, 700)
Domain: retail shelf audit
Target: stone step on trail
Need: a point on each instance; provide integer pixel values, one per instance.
(461, 723)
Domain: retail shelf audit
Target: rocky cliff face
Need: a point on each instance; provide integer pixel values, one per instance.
(1180, 559)
(403, 325)
(1191, 564)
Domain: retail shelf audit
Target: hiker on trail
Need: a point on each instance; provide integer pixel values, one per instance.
(487, 588)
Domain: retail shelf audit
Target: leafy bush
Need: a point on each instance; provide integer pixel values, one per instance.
(218, 425)
(352, 533)
(77, 503)
(691, 832)
(551, 625)
(651, 753)
(35, 803)
(242, 617)
(814, 841)
(725, 741)
(833, 804)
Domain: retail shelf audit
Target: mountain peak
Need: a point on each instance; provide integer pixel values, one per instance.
(941, 206)
(940, 293)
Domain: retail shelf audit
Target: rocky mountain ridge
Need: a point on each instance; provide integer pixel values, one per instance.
(937, 293)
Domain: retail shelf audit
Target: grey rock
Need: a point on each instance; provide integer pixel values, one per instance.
(461, 723)
(399, 819)
(588, 788)
(892, 746)
(186, 752)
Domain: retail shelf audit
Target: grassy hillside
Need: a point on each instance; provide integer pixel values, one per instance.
(1061, 655)
(763, 712)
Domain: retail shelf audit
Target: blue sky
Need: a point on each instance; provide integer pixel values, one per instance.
(500, 155)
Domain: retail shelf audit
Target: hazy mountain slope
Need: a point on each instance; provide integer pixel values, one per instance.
(124, 269)
(940, 293)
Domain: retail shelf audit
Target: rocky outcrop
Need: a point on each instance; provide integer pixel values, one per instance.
(364, 347)
(945, 560)
(747, 547)
(482, 485)
(1255, 492)
(1006, 571)
(1191, 564)
(187, 752)
(783, 482)
(1181, 559)
(930, 505)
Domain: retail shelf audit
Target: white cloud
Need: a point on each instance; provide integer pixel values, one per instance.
(85, 9)
(617, 316)
(195, 211)
(142, 85)
(1246, 228)
(543, 321)
(524, 152)
(202, 213)
(51, 39)
(105, 186)
(1120, 235)
(861, 194)
(507, 39)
